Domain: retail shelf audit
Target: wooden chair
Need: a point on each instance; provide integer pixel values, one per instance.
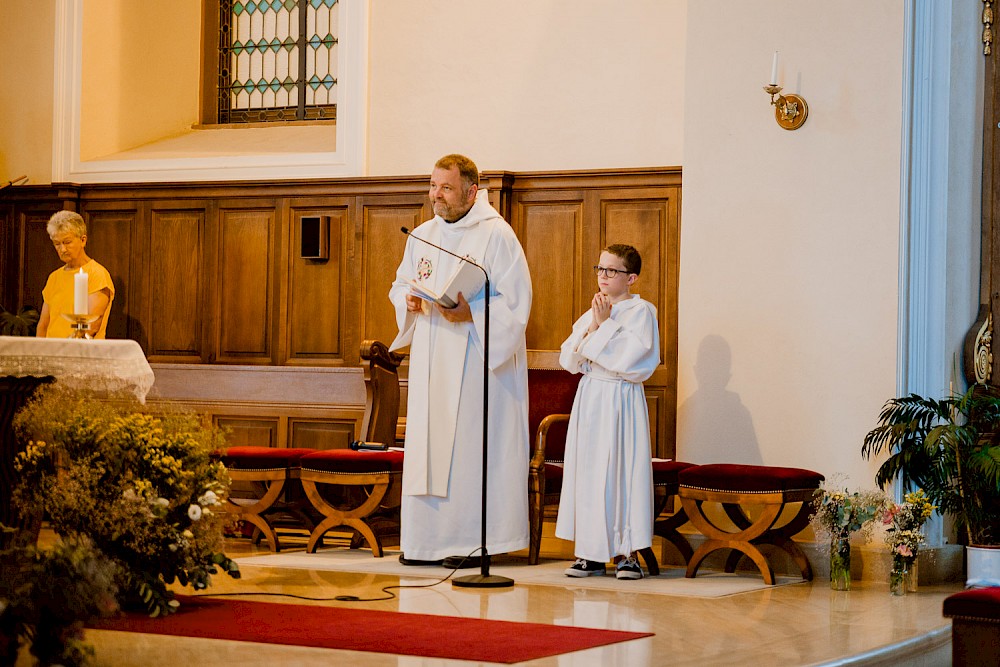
(360, 489)
(550, 399)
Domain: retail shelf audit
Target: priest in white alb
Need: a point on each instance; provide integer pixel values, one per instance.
(442, 472)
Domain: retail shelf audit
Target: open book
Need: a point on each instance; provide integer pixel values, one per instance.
(467, 279)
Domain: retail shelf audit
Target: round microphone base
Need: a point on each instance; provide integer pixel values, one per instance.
(482, 581)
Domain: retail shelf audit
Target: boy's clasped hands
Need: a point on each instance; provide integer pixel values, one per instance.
(600, 308)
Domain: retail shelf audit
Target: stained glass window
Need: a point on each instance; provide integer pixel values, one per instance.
(277, 60)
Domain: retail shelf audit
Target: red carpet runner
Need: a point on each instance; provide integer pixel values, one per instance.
(352, 629)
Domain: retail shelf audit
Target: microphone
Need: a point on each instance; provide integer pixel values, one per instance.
(484, 579)
(407, 231)
(13, 182)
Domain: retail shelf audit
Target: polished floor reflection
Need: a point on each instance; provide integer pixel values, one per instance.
(801, 624)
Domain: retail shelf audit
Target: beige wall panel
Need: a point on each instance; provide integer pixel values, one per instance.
(316, 291)
(110, 237)
(551, 246)
(321, 434)
(383, 244)
(175, 277)
(244, 284)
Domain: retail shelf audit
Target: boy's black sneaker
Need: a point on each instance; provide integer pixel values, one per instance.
(585, 568)
(628, 568)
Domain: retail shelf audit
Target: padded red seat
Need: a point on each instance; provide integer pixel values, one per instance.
(269, 468)
(734, 486)
(550, 398)
(263, 458)
(377, 471)
(749, 478)
(347, 460)
(975, 626)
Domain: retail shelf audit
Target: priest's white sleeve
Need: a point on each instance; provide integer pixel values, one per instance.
(510, 299)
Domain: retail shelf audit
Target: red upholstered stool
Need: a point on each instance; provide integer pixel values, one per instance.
(975, 626)
(665, 486)
(375, 472)
(270, 468)
(737, 486)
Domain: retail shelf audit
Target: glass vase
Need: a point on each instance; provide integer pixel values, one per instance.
(911, 577)
(840, 563)
(899, 575)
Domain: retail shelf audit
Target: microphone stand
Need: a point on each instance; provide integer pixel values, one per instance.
(484, 579)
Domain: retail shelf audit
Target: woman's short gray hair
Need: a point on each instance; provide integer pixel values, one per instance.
(67, 221)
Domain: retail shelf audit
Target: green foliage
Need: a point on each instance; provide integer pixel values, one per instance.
(950, 449)
(144, 486)
(47, 595)
(23, 323)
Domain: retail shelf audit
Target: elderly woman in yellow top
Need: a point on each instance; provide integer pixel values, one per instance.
(68, 232)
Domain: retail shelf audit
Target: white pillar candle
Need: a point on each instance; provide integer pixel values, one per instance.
(80, 305)
(774, 70)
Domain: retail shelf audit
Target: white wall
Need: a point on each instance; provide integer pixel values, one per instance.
(788, 304)
(526, 84)
(26, 66)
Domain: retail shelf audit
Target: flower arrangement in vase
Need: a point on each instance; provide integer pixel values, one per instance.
(839, 514)
(144, 487)
(904, 535)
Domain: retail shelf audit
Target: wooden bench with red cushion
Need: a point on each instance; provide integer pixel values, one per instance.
(736, 487)
(373, 512)
(975, 626)
(272, 469)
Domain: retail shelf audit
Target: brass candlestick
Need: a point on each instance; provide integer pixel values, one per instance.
(790, 110)
(80, 324)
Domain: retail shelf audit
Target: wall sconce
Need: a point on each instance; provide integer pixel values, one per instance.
(790, 110)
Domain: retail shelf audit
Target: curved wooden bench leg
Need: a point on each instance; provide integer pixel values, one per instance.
(649, 558)
(353, 518)
(706, 548)
(252, 512)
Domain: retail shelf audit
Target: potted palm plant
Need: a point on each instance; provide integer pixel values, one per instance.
(21, 323)
(951, 449)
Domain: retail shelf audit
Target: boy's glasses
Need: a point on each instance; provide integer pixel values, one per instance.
(607, 272)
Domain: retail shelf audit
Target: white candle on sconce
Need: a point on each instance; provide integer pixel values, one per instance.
(80, 305)
(774, 70)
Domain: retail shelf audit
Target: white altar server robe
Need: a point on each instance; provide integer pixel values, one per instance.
(606, 503)
(442, 472)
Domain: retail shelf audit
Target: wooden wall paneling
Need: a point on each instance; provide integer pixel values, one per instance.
(26, 253)
(318, 291)
(8, 255)
(111, 241)
(260, 431)
(381, 245)
(642, 223)
(647, 219)
(174, 288)
(551, 228)
(38, 258)
(322, 433)
(244, 282)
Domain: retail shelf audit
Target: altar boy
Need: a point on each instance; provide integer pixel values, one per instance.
(606, 504)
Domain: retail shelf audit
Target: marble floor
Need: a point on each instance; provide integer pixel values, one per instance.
(799, 624)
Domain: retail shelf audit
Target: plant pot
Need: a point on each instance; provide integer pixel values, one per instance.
(982, 566)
